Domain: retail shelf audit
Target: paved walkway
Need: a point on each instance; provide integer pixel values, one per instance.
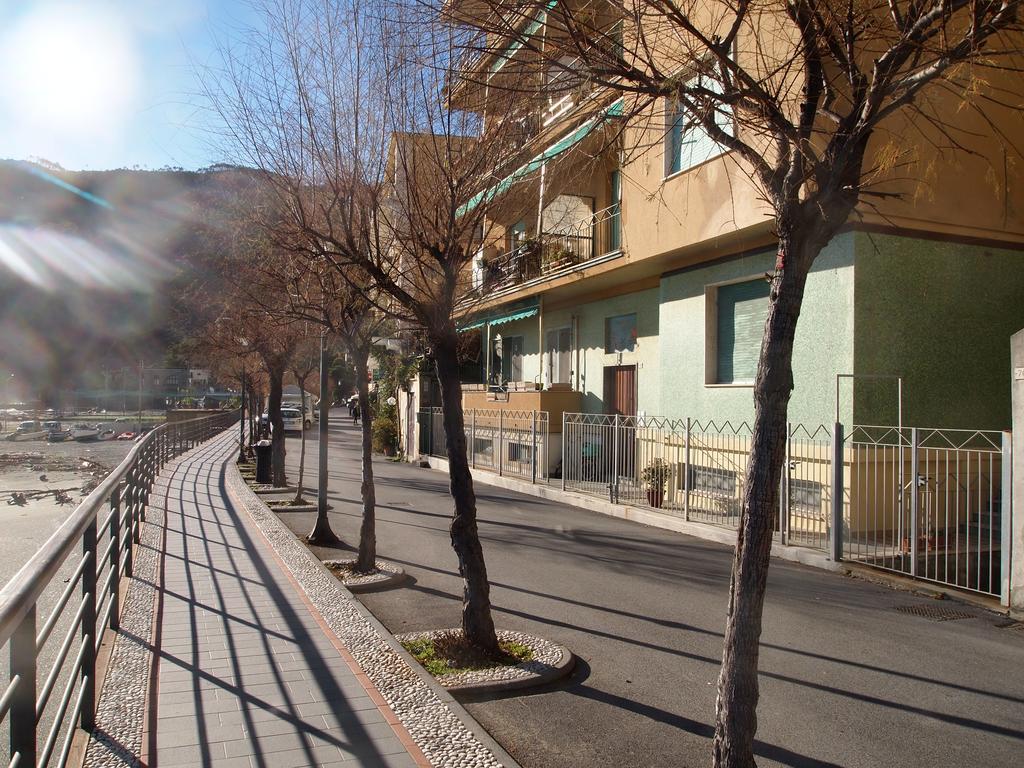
(247, 671)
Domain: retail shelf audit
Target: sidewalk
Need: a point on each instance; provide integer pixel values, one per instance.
(247, 670)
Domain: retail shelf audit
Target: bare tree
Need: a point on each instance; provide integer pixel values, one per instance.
(347, 117)
(811, 99)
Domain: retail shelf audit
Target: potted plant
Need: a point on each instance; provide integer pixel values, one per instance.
(654, 477)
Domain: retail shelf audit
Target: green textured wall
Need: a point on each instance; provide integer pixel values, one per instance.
(941, 314)
(593, 359)
(824, 340)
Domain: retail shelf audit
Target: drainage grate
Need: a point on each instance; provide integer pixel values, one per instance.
(935, 612)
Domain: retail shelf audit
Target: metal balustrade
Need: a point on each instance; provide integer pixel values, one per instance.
(553, 253)
(92, 549)
(508, 442)
(928, 503)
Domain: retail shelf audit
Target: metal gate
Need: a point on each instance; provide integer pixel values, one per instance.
(929, 503)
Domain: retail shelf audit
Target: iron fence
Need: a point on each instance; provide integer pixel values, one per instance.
(929, 503)
(925, 502)
(508, 442)
(93, 548)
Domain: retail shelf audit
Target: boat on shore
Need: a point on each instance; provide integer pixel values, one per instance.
(84, 433)
(28, 430)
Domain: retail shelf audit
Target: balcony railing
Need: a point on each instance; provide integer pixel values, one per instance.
(554, 252)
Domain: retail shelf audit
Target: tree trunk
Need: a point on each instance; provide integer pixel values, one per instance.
(477, 624)
(736, 705)
(276, 374)
(367, 559)
(302, 439)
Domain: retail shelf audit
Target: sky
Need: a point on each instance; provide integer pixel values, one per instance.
(100, 84)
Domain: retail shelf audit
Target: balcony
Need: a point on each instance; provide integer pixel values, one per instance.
(552, 253)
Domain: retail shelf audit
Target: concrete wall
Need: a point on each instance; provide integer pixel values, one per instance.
(824, 340)
(940, 314)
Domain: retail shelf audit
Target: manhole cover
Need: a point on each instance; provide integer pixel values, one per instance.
(935, 612)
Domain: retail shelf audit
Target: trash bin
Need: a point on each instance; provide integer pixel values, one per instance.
(264, 461)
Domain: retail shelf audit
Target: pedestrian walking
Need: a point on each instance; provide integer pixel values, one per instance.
(355, 413)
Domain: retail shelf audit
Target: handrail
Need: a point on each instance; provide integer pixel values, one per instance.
(126, 490)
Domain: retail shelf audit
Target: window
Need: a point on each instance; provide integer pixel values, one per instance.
(687, 144)
(805, 495)
(559, 358)
(620, 333)
(508, 357)
(713, 481)
(517, 452)
(736, 315)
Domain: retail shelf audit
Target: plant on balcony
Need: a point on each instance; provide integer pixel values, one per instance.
(556, 257)
(654, 477)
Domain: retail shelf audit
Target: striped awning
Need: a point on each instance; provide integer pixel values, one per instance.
(566, 142)
(520, 314)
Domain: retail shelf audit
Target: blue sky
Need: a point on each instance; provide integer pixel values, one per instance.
(97, 84)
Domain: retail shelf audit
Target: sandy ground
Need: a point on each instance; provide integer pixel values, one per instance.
(70, 466)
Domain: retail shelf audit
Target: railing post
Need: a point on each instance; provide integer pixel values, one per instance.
(88, 668)
(22, 713)
(565, 442)
(533, 449)
(914, 497)
(472, 439)
(784, 501)
(115, 557)
(1006, 518)
(613, 486)
(501, 438)
(835, 529)
(686, 471)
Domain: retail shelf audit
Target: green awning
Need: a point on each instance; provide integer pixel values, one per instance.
(566, 142)
(520, 314)
(529, 31)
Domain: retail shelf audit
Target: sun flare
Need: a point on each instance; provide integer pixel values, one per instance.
(68, 71)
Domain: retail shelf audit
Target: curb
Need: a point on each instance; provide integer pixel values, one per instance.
(443, 697)
(389, 575)
(640, 515)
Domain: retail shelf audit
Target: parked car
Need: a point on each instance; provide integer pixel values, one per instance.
(293, 420)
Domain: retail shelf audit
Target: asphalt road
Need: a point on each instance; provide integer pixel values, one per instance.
(846, 679)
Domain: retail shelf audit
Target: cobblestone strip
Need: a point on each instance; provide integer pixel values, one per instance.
(442, 737)
(121, 714)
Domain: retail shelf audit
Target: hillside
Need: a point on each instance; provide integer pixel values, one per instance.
(94, 267)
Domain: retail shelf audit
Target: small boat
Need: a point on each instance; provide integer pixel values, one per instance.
(58, 435)
(83, 433)
(28, 430)
(107, 434)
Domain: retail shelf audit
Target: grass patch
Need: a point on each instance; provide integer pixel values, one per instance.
(449, 653)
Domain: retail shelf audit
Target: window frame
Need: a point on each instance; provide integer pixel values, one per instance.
(675, 118)
(711, 375)
(607, 335)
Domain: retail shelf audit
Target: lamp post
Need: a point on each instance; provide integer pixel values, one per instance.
(321, 487)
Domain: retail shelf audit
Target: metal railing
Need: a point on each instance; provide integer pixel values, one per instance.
(508, 442)
(92, 549)
(929, 503)
(554, 252)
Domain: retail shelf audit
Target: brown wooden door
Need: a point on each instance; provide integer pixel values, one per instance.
(620, 399)
(620, 390)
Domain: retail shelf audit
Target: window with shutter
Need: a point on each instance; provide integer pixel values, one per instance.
(742, 308)
(687, 144)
